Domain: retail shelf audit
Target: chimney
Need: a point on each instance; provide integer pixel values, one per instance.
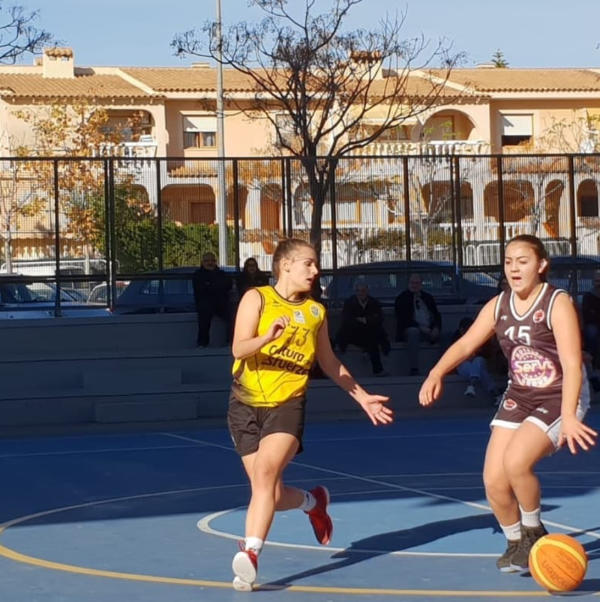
(58, 62)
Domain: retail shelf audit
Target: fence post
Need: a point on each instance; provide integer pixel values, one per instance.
(572, 214)
(159, 217)
(107, 239)
(287, 186)
(458, 214)
(57, 310)
(111, 220)
(406, 206)
(236, 212)
(500, 167)
(332, 170)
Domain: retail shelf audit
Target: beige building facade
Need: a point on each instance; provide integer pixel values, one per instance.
(483, 112)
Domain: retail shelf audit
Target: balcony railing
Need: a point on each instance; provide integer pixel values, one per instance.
(144, 148)
(431, 147)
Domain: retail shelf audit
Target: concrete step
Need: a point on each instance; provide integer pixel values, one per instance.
(178, 402)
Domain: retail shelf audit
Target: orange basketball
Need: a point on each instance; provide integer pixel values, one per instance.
(558, 562)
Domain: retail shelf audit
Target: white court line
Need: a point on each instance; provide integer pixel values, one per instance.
(105, 450)
(204, 526)
(394, 486)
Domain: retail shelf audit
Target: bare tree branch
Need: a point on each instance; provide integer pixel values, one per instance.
(18, 35)
(326, 80)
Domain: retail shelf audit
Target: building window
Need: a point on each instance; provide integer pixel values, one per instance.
(199, 131)
(517, 129)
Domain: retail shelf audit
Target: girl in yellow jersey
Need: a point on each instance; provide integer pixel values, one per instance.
(279, 332)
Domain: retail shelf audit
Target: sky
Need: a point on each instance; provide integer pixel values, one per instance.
(530, 33)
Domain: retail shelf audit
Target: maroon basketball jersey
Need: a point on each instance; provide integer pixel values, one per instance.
(527, 341)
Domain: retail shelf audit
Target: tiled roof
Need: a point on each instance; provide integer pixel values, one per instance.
(186, 79)
(98, 86)
(422, 86)
(527, 80)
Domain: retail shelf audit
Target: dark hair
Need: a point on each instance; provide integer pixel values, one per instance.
(538, 248)
(248, 261)
(284, 249)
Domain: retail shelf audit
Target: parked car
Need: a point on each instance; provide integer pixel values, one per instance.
(573, 274)
(38, 300)
(161, 295)
(98, 295)
(387, 279)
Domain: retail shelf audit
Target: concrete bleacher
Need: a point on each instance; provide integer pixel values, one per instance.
(147, 368)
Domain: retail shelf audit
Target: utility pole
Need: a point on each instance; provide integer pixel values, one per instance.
(221, 192)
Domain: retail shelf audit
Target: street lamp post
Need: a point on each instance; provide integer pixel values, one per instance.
(221, 193)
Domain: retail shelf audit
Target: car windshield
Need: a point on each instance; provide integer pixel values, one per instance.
(37, 292)
(387, 281)
(169, 287)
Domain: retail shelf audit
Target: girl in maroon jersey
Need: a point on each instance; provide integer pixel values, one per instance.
(546, 398)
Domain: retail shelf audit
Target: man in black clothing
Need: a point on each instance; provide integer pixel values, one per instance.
(362, 325)
(417, 319)
(212, 288)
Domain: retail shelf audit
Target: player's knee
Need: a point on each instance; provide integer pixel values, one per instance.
(264, 477)
(514, 466)
(495, 484)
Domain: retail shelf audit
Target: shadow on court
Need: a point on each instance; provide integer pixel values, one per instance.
(386, 543)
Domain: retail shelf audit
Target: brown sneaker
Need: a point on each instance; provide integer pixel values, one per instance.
(319, 519)
(503, 563)
(529, 535)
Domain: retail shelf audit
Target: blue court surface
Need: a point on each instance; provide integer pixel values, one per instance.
(156, 517)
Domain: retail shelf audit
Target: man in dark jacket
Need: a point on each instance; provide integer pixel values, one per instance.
(417, 319)
(212, 288)
(362, 325)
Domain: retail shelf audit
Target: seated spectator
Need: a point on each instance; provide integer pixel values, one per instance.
(417, 319)
(590, 317)
(362, 325)
(212, 287)
(475, 368)
(250, 277)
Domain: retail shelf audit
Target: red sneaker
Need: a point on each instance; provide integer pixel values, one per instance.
(245, 567)
(319, 519)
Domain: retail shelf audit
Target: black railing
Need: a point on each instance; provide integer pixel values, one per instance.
(141, 217)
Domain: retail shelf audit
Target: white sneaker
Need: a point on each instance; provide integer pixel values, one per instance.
(241, 586)
(244, 565)
(470, 391)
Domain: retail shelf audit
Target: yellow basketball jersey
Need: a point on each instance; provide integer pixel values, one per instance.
(278, 371)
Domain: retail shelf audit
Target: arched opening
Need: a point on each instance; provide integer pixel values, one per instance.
(242, 198)
(189, 204)
(587, 199)
(447, 125)
(270, 207)
(518, 200)
(437, 198)
(553, 194)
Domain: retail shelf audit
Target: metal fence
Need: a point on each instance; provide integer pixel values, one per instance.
(83, 221)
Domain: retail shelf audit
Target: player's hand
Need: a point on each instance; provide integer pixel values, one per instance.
(277, 327)
(375, 409)
(431, 390)
(573, 432)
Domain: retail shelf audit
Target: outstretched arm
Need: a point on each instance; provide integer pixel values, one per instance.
(373, 405)
(479, 332)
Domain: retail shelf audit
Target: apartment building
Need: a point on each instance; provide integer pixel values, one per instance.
(483, 112)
